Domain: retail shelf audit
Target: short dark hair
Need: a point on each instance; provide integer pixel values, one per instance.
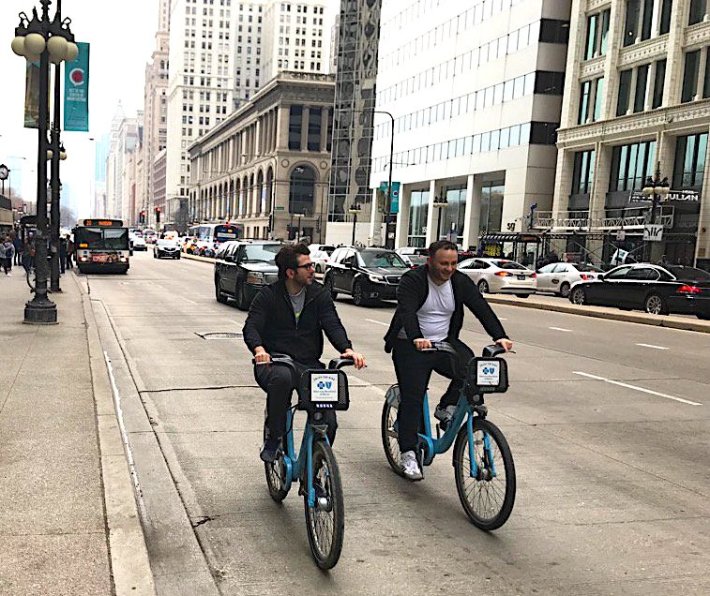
(287, 257)
(441, 245)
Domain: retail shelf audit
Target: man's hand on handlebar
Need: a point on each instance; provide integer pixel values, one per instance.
(505, 343)
(422, 344)
(261, 356)
(357, 358)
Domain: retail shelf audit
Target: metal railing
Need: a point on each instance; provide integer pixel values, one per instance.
(545, 220)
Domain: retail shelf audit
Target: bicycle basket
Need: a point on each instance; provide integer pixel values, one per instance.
(487, 375)
(323, 389)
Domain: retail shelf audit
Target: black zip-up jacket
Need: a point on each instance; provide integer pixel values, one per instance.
(412, 293)
(271, 323)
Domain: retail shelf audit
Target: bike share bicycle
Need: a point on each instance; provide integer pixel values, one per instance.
(483, 464)
(315, 466)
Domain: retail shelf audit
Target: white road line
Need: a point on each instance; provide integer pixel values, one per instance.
(635, 388)
(652, 346)
(378, 322)
(560, 329)
(188, 300)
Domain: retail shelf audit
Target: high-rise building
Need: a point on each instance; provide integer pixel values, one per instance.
(119, 185)
(297, 36)
(475, 92)
(637, 96)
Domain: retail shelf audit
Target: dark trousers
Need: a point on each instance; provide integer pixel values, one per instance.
(7, 264)
(69, 263)
(62, 261)
(279, 382)
(413, 369)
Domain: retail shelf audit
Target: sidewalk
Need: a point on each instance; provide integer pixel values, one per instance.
(68, 522)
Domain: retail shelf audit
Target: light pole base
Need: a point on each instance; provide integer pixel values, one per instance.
(40, 313)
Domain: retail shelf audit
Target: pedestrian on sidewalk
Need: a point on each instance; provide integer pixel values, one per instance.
(7, 253)
(70, 252)
(17, 243)
(27, 254)
(62, 254)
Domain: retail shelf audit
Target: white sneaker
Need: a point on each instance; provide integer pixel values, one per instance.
(410, 466)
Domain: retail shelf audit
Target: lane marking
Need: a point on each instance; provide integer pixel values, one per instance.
(188, 300)
(377, 322)
(652, 347)
(635, 388)
(561, 329)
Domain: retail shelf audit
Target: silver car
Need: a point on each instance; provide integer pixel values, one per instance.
(500, 276)
(559, 277)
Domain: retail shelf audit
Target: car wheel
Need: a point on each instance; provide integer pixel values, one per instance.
(483, 287)
(155, 256)
(319, 269)
(564, 290)
(523, 295)
(221, 298)
(358, 294)
(703, 317)
(578, 296)
(329, 287)
(178, 256)
(655, 305)
(241, 297)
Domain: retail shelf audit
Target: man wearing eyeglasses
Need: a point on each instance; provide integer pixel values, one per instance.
(289, 317)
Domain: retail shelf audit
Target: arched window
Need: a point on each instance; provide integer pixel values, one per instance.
(302, 189)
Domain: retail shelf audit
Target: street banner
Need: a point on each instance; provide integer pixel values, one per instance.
(76, 91)
(394, 198)
(32, 95)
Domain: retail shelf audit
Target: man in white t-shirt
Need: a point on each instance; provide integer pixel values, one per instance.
(430, 303)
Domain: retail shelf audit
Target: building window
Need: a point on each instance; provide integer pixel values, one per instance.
(698, 10)
(584, 101)
(491, 207)
(641, 84)
(658, 83)
(665, 25)
(294, 128)
(597, 34)
(583, 172)
(418, 209)
(690, 76)
(302, 190)
(314, 128)
(598, 99)
(639, 15)
(546, 83)
(622, 104)
(554, 31)
(631, 165)
(690, 155)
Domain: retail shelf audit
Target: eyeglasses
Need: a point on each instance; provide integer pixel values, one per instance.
(306, 266)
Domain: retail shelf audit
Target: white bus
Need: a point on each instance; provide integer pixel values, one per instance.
(208, 237)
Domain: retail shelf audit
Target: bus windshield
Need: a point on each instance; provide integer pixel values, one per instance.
(102, 238)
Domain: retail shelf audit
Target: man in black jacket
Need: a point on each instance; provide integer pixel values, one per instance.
(430, 303)
(289, 317)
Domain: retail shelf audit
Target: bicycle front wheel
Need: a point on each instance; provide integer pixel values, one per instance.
(388, 429)
(488, 497)
(325, 521)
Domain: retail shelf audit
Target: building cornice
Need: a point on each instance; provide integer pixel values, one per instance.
(674, 119)
(595, 5)
(592, 68)
(643, 52)
(697, 35)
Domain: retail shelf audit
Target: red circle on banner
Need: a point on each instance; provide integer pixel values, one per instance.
(77, 76)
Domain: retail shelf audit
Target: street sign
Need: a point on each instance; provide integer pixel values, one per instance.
(653, 233)
(279, 208)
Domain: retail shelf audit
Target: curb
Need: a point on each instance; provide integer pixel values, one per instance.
(130, 564)
(598, 312)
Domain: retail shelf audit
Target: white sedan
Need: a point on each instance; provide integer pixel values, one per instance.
(559, 277)
(500, 276)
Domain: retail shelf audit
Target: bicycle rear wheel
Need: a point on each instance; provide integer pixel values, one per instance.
(325, 521)
(388, 429)
(488, 498)
(275, 477)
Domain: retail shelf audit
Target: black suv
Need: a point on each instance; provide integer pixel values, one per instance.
(241, 269)
(368, 274)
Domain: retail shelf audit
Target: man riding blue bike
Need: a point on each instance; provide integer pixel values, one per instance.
(430, 301)
(289, 317)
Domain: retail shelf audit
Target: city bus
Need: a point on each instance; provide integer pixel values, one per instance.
(208, 237)
(101, 245)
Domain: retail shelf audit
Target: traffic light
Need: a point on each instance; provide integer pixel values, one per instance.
(157, 215)
(141, 217)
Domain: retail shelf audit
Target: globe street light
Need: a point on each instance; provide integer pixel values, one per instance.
(440, 203)
(44, 40)
(658, 189)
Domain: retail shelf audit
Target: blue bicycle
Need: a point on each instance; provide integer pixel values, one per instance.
(315, 466)
(483, 464)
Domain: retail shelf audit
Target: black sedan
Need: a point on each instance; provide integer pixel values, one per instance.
(655, 289)
(241, 269)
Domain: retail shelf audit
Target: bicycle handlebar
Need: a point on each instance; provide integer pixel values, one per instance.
(489, 351)
(334, 364)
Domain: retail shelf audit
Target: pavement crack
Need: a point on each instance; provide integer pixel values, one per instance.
(203, 519)
(206, 388)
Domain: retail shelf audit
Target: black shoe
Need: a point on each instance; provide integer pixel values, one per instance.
(270, 450)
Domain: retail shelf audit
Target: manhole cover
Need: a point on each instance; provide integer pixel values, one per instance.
(221, 335)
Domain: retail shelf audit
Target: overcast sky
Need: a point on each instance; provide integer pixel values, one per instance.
(121, 35)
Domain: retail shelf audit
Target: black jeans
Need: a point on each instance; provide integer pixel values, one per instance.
(413, 369)
(279, 382)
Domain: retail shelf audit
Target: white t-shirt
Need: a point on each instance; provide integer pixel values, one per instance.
(435, 314)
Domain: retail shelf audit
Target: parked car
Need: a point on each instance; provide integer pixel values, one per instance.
(241, 269)
(367, 274)
(643, 286)
(415, 260)
(500, 276)
(320, 258)
(150, 236)
(559, 277)
(166, 247)
(138, 242)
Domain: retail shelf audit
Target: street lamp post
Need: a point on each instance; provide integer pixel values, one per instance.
(354, 210)
(440, 203)
(657, 188)
(42, 39)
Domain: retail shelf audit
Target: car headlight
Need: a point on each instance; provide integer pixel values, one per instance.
(378, 279)
(256, 279)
